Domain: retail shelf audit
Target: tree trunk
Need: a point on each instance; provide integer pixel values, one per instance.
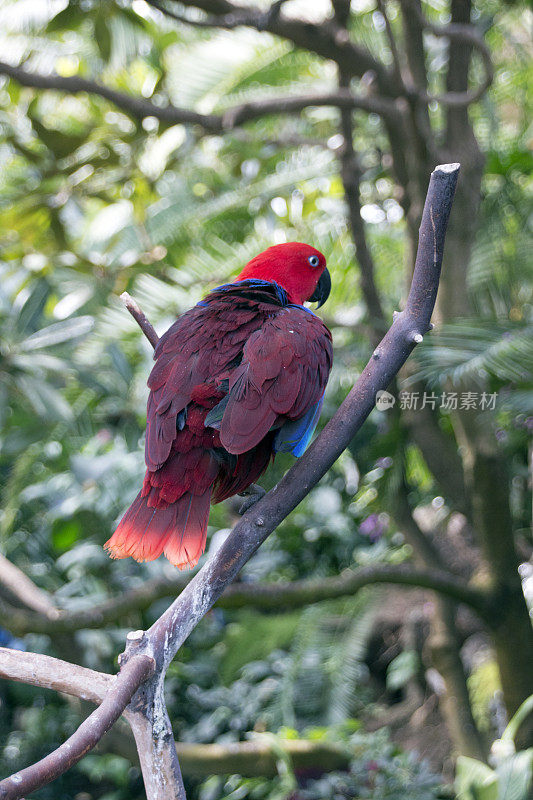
(487, 477)
(444, 646)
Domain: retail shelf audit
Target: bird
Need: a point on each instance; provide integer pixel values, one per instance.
(237, 378)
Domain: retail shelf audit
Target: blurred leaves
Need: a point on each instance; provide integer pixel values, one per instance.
(469, 353)
(94, 203)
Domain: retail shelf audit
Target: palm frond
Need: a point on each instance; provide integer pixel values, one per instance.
(470, 351)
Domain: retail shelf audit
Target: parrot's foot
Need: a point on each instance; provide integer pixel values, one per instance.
(253, 493)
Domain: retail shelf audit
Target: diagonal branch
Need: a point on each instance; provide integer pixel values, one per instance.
(150, 653)
(135, 106)
(172, 628)
(19, 586)
(331, 41)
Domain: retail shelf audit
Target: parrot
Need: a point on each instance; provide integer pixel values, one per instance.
(237, 378)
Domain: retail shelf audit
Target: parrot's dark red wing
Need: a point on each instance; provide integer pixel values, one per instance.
(283, 373)
(238, 377)
(182, 362)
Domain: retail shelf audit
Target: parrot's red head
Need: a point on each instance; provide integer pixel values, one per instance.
(299, 268)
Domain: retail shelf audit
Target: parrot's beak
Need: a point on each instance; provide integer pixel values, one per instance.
(323, 288)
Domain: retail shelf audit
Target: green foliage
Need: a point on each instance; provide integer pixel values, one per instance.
(254, 636)
(377, 770)
(512, 776)
(468, 354)
(93, 203)
(402, 669)
(483, 684)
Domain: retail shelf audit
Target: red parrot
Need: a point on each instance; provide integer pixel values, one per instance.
(237, 378)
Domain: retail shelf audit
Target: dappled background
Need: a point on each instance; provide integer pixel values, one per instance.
(95, 201)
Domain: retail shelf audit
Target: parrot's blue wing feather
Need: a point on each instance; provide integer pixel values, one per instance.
(254, 283)
(294, 436)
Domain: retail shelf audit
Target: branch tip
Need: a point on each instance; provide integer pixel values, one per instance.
(140, 318)
(455, 167)
(135, 636)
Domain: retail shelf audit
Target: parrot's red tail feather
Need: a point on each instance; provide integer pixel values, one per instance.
(178, 530)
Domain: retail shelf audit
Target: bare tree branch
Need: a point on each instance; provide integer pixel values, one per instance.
(457, 33)
(211, 123)
(324, 38)
(135, 106)
(52, 673)
(152, 730)
(155, 744)
(291, 104)
(331, 41)
(130, 677)
(258, 758)
(250, 759)
(24, 590)
(259, 596)
(168, 633)
(302, 593)
(172, 628)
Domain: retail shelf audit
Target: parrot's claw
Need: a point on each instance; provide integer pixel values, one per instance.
(253, 493)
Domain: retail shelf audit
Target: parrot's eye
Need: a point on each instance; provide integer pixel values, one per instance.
(314, 261)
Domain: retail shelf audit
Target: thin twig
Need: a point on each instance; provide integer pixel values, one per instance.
(330, 41)
(140, 318)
